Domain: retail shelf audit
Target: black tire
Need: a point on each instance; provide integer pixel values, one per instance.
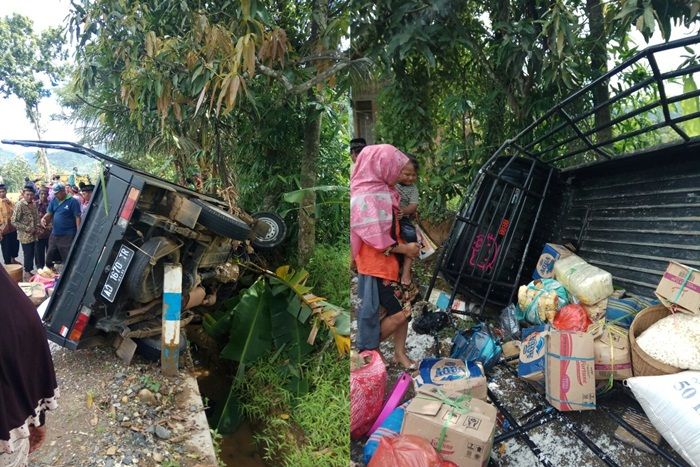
(276, 232)
(144, 281)
(221, 222)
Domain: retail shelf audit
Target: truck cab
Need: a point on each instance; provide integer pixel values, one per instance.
(112, 279)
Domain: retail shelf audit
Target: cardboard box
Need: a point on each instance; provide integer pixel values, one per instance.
(550, 254)
(679, 288)
(34, 290)
(570, 370)
(452, 376)
(468, 433)
(511, 349)
(612, 351)
(532, 350)
(427, 245)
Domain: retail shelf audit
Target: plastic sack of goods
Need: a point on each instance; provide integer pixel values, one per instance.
(672, 403)
(367, 386)
(476, 345)
(540, 300)
(674, 340)
(587, 283)
(407, 451)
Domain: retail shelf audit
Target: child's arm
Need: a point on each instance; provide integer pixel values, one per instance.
(410, 209)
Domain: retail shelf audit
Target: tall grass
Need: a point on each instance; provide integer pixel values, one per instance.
(329, 271)
(311, 430)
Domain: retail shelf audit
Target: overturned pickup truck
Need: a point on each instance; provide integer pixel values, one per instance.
(112, 279)
(619, 181)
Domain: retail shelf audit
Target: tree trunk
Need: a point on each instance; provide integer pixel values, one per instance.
(599, 64)
(307, 219)
(34, 117)
(312, 142)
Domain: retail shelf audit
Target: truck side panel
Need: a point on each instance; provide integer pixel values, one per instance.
(633, 215)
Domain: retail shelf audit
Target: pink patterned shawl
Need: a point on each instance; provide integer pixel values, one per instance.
(372, 196)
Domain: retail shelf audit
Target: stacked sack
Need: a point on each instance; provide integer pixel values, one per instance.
(570, 341)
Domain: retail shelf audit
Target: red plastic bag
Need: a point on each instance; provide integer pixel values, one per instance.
(367, 386)
(406, 451)
(572, 317)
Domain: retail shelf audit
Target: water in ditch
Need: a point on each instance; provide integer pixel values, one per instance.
(214, 380)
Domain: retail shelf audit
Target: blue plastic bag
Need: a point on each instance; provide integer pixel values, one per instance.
(476, 345)
(390, 427)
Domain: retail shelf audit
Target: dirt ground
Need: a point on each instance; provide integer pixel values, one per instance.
(558, 444)
(111, 414)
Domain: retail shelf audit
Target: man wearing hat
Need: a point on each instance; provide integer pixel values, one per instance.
(75, 193)
(8, 234)
(356, 145)
(26, 220)
(64, 212)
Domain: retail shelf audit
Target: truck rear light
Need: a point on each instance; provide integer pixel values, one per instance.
(128, 208)
(80, 324)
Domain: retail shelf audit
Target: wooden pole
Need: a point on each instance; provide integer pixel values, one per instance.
(172, 306)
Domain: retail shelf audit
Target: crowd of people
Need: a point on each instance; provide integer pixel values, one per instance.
(43, 221)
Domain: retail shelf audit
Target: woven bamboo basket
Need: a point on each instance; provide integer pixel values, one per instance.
(14, 271)
(642, 363)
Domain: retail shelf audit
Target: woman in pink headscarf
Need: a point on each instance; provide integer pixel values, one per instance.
(375, 242)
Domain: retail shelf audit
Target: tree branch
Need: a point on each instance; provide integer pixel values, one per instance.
(306, 85)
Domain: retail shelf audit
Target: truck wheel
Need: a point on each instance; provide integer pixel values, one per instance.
(221, 222)
(276, 230)
(144, 281)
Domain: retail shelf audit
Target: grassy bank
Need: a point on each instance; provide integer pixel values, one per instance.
(309, 430)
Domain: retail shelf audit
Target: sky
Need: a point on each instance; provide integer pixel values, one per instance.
(13, 121)
(45, 13)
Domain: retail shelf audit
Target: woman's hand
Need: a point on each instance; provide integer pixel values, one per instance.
(412, 250)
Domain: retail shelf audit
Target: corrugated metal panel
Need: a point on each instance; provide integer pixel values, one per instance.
(632, 217)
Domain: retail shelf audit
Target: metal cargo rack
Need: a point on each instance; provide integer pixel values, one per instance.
(491, 223)
(564, 139)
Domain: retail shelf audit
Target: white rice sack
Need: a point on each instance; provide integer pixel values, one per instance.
(588, 283)
(674, 340)
(672, 403)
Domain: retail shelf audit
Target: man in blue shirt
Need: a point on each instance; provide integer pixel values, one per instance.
(65, 214)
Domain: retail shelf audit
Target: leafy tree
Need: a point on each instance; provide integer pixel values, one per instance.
(170, 77)
(13, 173)
(459, 78)
(27, 61)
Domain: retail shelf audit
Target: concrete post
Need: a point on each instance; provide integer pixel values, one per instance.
(172, 306)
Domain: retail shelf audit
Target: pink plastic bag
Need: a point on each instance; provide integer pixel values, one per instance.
(367, 386)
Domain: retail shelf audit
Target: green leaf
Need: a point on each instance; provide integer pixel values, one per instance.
(649, 20)
(218, 325)
(560, 43)
(288, 332)
(342, 323)
(298, 386)
(690, 106)
(231, 415)
(250, 331)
